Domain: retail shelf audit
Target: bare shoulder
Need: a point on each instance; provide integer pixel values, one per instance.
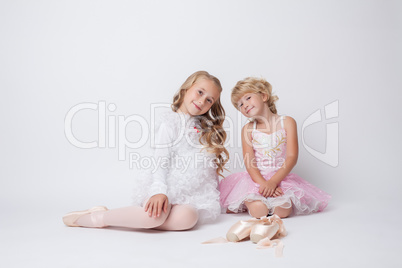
(246, 130)
(247, 126)
(289, 122)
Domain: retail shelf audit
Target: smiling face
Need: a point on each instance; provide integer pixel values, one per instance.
(252, 104)
(200, 97)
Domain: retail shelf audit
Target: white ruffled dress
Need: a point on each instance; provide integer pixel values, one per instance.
(186, 172)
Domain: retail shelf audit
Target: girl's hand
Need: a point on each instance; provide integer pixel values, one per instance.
(278, 192)
(267, 189)
(156, 204)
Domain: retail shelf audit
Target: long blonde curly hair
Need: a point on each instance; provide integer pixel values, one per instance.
(254, 85)
(213, 135)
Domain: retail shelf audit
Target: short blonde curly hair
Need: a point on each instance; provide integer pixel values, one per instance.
(254, 85)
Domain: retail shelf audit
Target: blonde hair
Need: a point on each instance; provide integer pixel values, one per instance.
(254, 85)
(213, 135)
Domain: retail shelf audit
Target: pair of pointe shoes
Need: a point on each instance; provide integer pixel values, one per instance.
(257, 229)
(96, 217)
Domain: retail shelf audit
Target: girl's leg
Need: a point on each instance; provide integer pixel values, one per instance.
(181, 217)
(256, 209)
(283, 212)
(130, 217)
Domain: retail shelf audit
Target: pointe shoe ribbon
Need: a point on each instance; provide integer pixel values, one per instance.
(261, 231)
(267, 243)
(272, 227)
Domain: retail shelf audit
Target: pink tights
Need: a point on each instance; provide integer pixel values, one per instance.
(178, 217)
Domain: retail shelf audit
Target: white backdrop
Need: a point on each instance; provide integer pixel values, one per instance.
(57, 54)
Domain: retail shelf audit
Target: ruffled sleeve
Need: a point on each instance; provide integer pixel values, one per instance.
(164, 137)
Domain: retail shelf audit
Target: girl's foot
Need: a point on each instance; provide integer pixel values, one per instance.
(95, 217)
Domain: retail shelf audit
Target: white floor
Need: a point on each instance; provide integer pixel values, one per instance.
(55, 55)
(345, 235)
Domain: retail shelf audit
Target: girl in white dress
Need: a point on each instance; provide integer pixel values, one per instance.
(189, 147)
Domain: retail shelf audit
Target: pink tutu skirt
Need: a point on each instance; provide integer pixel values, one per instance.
(304, 197)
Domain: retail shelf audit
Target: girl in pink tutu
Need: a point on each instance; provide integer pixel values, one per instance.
(270, 151)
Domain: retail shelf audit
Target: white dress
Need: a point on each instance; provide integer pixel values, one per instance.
(186, 172)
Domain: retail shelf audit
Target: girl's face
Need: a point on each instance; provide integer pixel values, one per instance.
(252, 104)
(200, 97)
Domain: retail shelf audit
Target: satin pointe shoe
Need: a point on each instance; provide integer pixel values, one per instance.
(268, 228)
(241, 230)
(70, 218)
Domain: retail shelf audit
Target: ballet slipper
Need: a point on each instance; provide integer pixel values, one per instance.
(241, 230)
(264, 230)
(261, 231)
(70, 218)
(268, 228)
